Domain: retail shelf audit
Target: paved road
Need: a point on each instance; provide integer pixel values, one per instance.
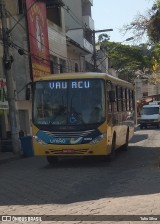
(130, 185)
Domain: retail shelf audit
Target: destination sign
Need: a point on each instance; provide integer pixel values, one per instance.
(78, 84)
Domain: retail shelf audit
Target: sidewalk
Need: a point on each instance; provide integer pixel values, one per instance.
(8, 156)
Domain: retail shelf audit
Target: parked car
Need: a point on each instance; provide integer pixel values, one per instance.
(150, 115)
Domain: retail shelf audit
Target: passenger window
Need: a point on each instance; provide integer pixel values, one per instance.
(119, 98)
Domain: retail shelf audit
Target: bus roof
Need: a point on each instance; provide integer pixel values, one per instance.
(88, 75)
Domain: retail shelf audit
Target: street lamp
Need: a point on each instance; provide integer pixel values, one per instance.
(126, 40)
(94, 46)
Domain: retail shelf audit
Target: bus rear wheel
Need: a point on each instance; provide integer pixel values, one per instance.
(125, 146)
(113, 150)
(52, 160)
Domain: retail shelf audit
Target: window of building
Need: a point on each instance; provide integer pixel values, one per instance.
(54, 65)
(145, 94)
(20, 6)
(54, 15)
(76, 67)
(62, 64)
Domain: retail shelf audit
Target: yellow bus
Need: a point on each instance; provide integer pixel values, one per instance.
(81, 114)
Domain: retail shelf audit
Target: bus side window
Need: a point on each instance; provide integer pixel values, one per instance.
(124, 99)
(109, 104)
(131, 101)
(114, 104)
(119, 98)
(127, 99)
(111, 97)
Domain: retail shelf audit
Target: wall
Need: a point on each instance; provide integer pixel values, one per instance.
(57, 41)
(76, 11)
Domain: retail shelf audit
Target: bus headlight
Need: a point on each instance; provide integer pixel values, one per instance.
(98, 139)
(40, 141)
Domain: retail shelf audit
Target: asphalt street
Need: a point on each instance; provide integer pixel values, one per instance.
(129, 185)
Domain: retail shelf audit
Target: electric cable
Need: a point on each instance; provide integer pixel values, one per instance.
(22, 16)
(40, 42)
(18, 23)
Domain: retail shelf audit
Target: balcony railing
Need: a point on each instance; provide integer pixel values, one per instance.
(78, 36)
(87, 46)
(89, 22)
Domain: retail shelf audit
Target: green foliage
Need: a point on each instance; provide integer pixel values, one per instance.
(126, 59)
(154, 27)
(103, 38)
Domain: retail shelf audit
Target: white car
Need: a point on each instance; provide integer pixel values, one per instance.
(150, 116)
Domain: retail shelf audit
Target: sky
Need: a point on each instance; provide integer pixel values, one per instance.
(113, 14)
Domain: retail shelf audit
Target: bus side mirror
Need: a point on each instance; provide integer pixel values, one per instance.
(112, 96)
(28, 91)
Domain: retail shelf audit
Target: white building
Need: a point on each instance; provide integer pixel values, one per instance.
(79, 32)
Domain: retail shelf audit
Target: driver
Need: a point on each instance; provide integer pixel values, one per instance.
(58, 113)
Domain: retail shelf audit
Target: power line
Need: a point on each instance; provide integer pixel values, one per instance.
(22, 16)
(74, 17)
(18, 22)
(17, 47)
(40, 42)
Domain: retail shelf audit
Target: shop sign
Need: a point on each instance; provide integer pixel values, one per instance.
(38, 38)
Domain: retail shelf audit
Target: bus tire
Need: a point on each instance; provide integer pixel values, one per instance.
(125, 146)
(52, 160)
(112, 155)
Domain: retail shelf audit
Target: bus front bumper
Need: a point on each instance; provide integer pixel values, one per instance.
(99, 148)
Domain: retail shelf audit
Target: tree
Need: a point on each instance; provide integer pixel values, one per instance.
(149, 24)
(145, 24)
(126, 59)
(103, 38)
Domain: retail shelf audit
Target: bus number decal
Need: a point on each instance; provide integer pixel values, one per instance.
(57, 140)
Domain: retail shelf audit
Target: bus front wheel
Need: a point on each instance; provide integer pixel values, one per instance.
(52, 160)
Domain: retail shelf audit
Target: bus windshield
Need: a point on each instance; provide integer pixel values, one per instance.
(69, 102)
(150, 111)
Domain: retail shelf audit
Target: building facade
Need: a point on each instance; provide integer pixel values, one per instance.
(70, 38)
(79, 33)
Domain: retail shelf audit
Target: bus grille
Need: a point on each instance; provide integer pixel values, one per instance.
(68, 134)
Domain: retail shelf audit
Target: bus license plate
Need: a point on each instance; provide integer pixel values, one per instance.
(68, 151)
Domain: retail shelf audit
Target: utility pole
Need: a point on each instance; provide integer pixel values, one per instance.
(94, 47)
(7, 62)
